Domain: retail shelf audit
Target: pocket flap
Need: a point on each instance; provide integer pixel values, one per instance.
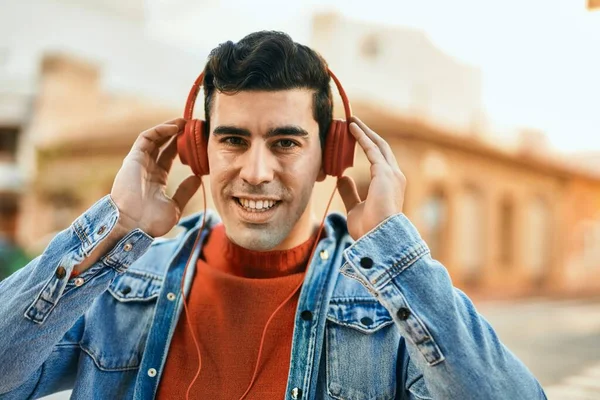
(367, 316)
(135, 286)
(415, 382)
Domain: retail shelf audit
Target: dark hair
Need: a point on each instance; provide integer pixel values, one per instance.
(269, 60)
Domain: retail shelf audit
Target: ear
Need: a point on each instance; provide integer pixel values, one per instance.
(322, 175)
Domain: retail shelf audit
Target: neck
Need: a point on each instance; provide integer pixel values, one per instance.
(222, 254)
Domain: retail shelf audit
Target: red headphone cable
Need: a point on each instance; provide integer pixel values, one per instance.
(312, 253)
(187, 313)
(262, 340)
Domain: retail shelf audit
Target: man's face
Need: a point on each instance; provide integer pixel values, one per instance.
(264, 156)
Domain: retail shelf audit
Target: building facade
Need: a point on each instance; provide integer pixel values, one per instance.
(505, 223)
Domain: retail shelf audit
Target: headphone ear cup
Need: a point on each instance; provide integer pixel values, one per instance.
(201, 141)
(339, 149)
(192, 147)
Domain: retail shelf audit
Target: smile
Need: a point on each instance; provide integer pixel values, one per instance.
(253, 205)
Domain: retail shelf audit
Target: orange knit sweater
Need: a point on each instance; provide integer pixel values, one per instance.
(233, 294)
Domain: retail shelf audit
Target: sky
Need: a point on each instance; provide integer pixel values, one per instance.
(540, 59)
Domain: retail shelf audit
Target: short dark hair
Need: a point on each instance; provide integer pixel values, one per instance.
(269, 60)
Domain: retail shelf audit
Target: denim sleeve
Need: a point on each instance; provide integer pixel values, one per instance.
(40, 303)
(456, 349)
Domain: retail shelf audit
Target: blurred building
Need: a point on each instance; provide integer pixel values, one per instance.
(15, 103)
(79, 135)
(11, 180)
(507, 219)
(402, 71)
(505, 223)
(78, 81)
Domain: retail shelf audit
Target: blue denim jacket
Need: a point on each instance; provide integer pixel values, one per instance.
(386, 321)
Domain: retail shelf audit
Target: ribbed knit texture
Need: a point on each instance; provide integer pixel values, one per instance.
(234, 292)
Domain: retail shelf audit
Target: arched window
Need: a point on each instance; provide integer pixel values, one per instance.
(434, 214)
(64, 208)
(590, 231)
(538, 229)
(471, 240)
(370, 46)
(506, 233)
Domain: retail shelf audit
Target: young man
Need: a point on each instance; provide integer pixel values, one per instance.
(101, 310)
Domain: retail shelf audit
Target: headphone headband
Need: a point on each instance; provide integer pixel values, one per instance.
(191, 100)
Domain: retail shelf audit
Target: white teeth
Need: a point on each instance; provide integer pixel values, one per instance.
(258, 205)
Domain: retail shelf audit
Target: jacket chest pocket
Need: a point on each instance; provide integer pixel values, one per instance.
(117, 324)
(361, 346)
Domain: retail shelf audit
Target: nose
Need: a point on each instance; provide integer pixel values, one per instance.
(256, 166)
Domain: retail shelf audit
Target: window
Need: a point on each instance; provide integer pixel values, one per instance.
(538, 229)
(8, 142)
(65, 207)
(434, 214)
(370, 47)
(471, 239)
(9, 208)
(506, 233)
(590, 231)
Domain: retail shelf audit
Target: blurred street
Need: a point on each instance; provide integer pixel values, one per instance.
(558, 340)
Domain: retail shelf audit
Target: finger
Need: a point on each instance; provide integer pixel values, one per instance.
(383, 145)
(186, 190)
(374, 154)
(348, 192)
(167, 155)
(151, 140)
(160, 144)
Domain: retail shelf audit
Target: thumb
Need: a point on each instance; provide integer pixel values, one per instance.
(186, 190)
(347, 188)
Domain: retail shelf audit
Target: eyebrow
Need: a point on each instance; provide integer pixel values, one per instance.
(287, 130)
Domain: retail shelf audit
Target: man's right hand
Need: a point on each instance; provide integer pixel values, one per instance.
(139, 187)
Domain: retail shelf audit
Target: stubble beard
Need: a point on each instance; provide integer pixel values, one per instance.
(265, 237)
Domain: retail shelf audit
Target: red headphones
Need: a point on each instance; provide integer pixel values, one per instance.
(338, 153)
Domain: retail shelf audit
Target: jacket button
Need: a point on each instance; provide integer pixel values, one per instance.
(366, 262)
(324, 254)
(101, 230)
(60, 272)
(306, 315)
(128, 247)
(366, 321)
(296, 393)
(403, 314)
(151, 372)
(78, 282)
(126, 290)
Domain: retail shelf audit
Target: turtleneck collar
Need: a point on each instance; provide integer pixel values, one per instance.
(221, 253)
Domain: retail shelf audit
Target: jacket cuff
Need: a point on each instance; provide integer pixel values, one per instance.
(89, 230)
(376, 259)
(387, 250)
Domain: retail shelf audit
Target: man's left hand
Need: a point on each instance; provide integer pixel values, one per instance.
(386, 190)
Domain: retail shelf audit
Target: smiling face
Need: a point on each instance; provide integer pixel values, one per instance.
(264, 155)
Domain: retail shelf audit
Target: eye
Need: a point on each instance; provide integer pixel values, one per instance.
(233, 141)
(286, 144)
